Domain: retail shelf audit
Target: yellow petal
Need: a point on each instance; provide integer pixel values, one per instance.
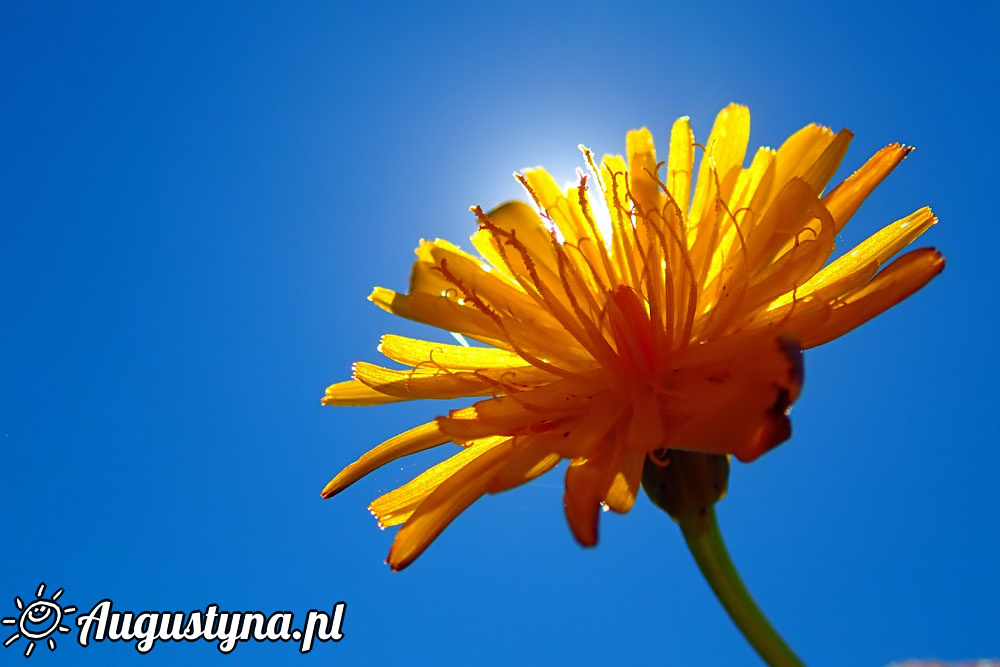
(614, 177)
(517, 220)
(642, 171)
(549, 197)
(534, 256)
(578, 232)
(412, 441)
(680, 166)
(414, 352)
(437, 383)
(717, 176)
(440, 312)
(354, 393)
(527, 337)
(425, 279)
(822, 170)
(800, 152)
(470, 278)
(750, 183)
(728, 267)
(724, 153)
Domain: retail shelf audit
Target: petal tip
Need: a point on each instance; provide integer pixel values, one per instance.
(396, 563)
(330, 490)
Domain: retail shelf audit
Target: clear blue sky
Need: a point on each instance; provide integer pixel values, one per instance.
(196, 199)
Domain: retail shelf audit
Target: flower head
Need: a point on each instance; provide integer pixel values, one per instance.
(625, 315)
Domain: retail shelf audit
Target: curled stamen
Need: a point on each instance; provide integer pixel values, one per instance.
(660, 457)
(429, 363)
(430, 354)
(803, 231)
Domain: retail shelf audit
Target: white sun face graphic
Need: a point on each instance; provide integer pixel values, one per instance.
(38, 620)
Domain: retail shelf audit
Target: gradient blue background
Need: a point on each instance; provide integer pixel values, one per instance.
(197, 197)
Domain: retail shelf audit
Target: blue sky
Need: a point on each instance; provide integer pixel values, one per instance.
(196, 199)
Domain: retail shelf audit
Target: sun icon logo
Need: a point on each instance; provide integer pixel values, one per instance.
(39, 620)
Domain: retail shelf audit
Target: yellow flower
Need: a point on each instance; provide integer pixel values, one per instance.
(629, 317)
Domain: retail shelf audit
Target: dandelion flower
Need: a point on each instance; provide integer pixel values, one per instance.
(640, 310)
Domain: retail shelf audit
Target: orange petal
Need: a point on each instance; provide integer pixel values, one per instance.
(644, 432)
(467, 424)
(531, 458)
(731, 397)
(799, 262)
(857, 266)
(790, 212)
(396, 506)
(415, 440)
(894, 283)
(454, 495)
(585, 486)
(627, 474)
(517, 412)
(599, 418)
(845, 199)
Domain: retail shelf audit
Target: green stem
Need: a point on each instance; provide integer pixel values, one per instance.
(701, 532)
